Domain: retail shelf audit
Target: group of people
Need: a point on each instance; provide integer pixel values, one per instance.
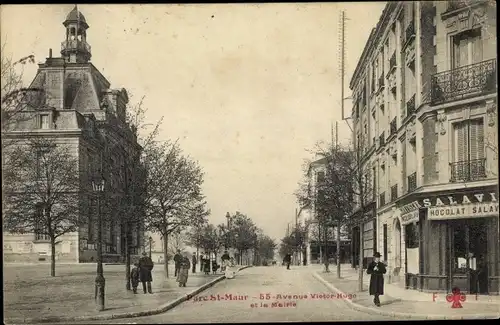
(141, 272)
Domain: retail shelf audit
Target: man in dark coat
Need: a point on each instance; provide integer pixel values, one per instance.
(287, 260)
(377, 270)
(177, 262)
(193, 262)
(145, 268)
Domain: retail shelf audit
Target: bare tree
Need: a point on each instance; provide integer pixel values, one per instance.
(174, 191)
(177, 241)
(42, 192)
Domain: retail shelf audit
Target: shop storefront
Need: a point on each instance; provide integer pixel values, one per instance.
(456, 242)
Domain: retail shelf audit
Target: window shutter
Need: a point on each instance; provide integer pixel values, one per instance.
(477, 49)
(461, 142)
(476, 139)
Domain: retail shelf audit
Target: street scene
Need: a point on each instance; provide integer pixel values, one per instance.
(241, 163)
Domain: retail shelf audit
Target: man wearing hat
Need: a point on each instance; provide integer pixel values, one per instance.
(145, 268)
(377, 270)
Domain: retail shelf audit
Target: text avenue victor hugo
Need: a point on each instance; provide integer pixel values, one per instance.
(275, 300)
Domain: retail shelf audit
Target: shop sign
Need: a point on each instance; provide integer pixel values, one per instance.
(463, 211)
(410, 217)
(455, 199)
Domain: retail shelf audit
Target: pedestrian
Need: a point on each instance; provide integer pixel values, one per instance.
(287, 260)
(183, 274)
(193, 260)
(230, 271)
(202, 258)
(177, 262)
(145, 268)
(377, 270)
(134, 277)
(206, 264)
(215, 267)
(225, 260)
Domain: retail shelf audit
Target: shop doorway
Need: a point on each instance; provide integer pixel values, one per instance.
(396, 237)
(470, 255)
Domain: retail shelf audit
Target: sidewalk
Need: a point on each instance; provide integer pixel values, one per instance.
(399, 302)
(70, 295)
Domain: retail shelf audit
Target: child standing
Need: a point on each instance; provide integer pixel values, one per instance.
(134, 277)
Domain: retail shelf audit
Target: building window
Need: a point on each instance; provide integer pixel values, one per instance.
(91, 225)
(412, 235)
(469, 161)
(320, 177)
(44, 121)
(40, 226)
(467, 48)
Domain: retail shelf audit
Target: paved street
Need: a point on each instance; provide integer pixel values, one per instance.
(252, 282)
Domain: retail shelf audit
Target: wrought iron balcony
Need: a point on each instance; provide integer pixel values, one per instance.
(392, 61)
(75, 45)
(381, 139)
(412, 182)
(381, 199)
(457, 4)
(394, 192)
(468, 81)
(410, 106)
(394, 127)
(373, 141)
(410, 31)
(470, 170)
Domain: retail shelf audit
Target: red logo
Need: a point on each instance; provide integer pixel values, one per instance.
(455, 297)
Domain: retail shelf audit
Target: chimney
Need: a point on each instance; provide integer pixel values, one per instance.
(50, 53)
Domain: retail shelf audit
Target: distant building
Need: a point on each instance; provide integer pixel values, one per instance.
(78, 108)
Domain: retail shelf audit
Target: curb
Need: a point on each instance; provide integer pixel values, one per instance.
(371, 310)
(156, 311)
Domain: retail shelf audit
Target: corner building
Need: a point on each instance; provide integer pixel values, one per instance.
(78, 109)
(433, 124)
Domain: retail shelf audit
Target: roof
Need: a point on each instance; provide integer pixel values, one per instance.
(75, 16)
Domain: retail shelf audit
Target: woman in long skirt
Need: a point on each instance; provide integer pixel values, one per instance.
(230, 269)
(206, 264)
(183, 274)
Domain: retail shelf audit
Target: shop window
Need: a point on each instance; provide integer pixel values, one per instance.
(412, 235)
(459, 249)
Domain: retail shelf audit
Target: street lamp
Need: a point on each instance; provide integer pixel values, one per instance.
(100, 282)
(150, 241)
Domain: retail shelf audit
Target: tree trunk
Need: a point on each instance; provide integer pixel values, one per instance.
(360, 274)
(325, 238)
(338, 250)
(127, 256)
(53, 257)
(165, 253)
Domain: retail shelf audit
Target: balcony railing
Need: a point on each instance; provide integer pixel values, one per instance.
(381, 199)
(468, 81)
(410, 106)
(457, 4)
(381, 139)
(394, 127)
(394, 192)
(75, 45)
(470, 170)
(373, 141)
(392, 61)
(410, 31)
(412, 182)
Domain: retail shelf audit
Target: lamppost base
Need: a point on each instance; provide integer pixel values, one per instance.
(100, 284)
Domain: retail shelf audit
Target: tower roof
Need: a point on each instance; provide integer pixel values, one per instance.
(75, 16)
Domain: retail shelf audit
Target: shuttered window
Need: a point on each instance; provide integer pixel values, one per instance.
(467, 48)
(469, 140)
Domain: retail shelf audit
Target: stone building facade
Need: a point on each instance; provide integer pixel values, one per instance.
(77, 108)
(428, 125)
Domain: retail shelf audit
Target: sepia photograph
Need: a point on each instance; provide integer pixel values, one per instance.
(249, 162)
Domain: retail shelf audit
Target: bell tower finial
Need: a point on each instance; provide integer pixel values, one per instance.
(75, 48)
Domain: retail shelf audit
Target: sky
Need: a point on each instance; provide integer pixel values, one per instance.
(246, 88)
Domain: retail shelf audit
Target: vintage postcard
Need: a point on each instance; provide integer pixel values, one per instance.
(243, 163)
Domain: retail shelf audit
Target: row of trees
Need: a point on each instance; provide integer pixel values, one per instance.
(240, 234)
